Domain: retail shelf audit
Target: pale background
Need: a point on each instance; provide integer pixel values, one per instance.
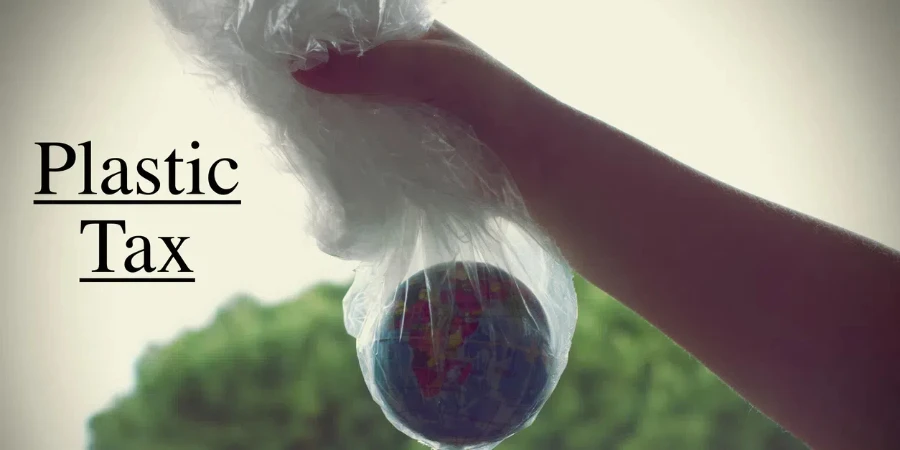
(795, 101)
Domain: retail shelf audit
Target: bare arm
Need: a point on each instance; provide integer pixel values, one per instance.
(794, 314)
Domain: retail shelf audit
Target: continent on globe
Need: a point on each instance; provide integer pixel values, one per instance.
(462, 355)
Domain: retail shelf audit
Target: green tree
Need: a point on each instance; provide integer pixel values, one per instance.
(286, 377)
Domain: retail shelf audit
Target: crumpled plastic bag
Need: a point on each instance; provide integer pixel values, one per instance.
(462, 308)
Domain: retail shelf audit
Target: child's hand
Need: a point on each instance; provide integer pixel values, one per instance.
(521, 124)
(442, 68)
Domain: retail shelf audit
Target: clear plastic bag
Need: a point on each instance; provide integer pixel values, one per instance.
(462, 308)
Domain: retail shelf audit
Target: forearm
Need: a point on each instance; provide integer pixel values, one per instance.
(796, 315)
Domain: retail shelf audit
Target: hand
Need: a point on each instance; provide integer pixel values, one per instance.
(442, 69)
(446, 71)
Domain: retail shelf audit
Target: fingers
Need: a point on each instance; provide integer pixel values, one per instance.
(384, 70)
(417, 70)
(467, 84)
(503, 109)
(427, 71)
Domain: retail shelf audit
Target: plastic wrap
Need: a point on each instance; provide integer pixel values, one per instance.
(462, 309)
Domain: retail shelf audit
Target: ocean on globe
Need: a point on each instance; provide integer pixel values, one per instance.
(462, 357)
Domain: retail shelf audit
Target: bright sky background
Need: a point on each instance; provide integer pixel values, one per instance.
(790, 100)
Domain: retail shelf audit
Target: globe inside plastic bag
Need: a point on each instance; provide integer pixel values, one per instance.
(462, 309)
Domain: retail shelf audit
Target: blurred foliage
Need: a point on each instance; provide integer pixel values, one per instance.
(286, 377)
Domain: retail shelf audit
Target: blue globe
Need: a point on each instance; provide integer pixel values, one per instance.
(462, 356)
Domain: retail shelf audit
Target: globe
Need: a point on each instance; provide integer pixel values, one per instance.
(461, 357)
